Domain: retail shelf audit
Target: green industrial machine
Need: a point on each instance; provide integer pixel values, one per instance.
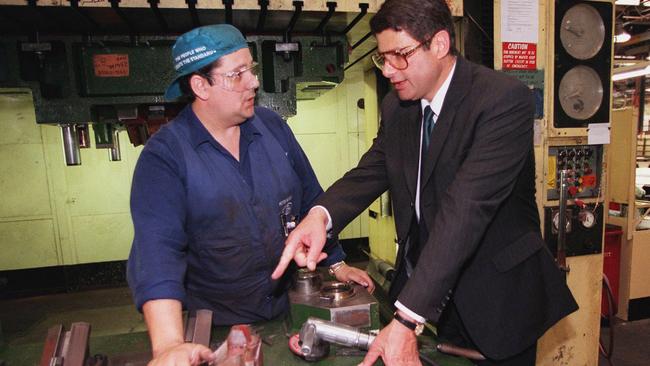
(343, 303)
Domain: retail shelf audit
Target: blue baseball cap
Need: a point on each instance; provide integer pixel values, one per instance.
(201, 47)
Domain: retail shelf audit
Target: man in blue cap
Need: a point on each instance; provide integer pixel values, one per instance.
(210, 191)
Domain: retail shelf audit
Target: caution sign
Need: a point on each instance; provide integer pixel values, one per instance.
(519, 56)
(111, 65)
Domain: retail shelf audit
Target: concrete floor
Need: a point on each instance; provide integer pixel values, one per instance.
(631, 343)
(117, 328)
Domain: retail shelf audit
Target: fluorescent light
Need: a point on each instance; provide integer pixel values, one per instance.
(628, 72)
(627, 2)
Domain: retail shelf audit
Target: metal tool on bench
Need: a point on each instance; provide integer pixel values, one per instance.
(317, 334)
(69, 348)
(198, 327)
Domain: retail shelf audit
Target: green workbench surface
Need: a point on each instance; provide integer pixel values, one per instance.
(276, 349)
(134, 349)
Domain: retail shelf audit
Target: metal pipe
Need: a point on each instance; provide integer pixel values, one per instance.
(561, 226)
(360, 58)
(74, 5)
(115, 5)
(228, 5)
(331, 8)
(363, 39)
(84, 136)
(364, 11)
(153, 4)
(468, 353)
(342, 334)
(191, 5)
(70, 145)
(294, 18)
(115, 153)
(264, 8)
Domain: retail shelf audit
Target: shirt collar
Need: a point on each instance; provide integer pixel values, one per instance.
(199, 134)
(436, 103)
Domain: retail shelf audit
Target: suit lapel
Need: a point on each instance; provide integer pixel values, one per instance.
(410, 116)
(458, 88)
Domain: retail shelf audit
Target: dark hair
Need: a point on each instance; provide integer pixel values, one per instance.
(187, 94)
(422, 19)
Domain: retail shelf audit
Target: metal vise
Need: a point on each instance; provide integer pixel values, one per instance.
(316, 335)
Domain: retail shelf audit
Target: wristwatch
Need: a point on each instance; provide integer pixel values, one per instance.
(335, 267)
(417, 328)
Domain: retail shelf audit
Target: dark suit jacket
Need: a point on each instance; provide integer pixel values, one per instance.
(484, 246)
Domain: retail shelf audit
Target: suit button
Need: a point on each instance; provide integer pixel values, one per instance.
(412, 204)
(438, 310)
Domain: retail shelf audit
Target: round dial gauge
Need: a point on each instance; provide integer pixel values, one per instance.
(587, 219)
(556, 222)
(582, 31)
(580, 92)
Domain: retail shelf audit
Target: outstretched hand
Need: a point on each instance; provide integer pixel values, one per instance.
(396, 345)
(305, 243)
(348, 273)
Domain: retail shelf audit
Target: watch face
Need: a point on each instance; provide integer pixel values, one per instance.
(582, 32)
(419, 329)
(580, 92)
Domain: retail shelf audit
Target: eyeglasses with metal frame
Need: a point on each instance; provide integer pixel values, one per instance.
(232, 80)
(398, 59)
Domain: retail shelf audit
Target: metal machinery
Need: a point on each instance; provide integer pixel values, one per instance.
(107, 63)
(343, 303)
(563, 51)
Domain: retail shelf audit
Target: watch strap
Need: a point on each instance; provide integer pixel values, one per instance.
(407, 323)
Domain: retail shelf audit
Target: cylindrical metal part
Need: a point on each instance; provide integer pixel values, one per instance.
(341, 334)
(561, 227)
(307, 282)
(70, 145)
(84, 136)
(307, 337)
(114, 153)
(385, 207)
(468, 353)
(386, 270)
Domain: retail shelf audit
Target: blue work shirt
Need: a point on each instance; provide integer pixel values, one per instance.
(207, 227)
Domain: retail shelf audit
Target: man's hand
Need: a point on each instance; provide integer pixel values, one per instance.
(347, 273)
(305, 243)
(396, 345)
(183, 354)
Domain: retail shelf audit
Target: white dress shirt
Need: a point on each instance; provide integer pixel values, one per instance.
(436, 106)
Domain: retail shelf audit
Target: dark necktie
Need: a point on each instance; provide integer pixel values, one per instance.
(428, 128)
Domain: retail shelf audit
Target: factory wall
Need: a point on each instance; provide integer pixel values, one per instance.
(52, 214)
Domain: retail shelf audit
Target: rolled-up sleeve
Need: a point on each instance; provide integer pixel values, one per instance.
(157, 262)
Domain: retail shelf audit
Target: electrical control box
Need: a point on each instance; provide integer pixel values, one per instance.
(584, 229)
(583, 165)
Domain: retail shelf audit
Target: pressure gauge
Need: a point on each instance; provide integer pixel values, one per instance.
(582, 31)
(580, 92)
(556, 222)
(587, 219)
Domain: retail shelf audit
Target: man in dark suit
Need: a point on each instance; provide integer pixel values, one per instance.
(455, 148)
